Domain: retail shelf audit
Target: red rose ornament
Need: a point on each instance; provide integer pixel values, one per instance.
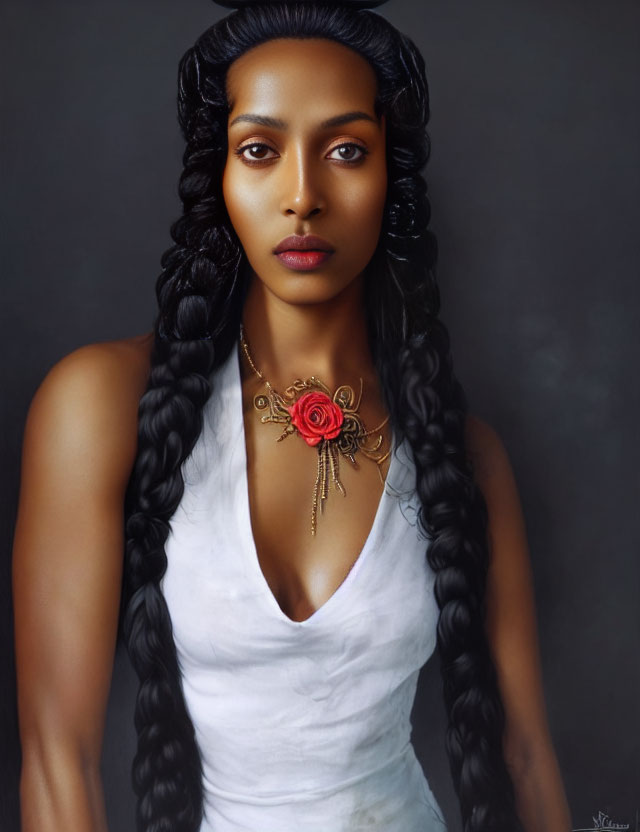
(316, 416)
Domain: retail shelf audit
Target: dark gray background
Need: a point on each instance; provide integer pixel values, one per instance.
(534, 186)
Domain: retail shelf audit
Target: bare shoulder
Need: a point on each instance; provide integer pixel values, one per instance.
(87, 405)
(79, 446)
(494, 475)
(487, 453)
(122, 364)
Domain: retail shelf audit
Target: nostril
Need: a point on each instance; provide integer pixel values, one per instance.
(302, 212)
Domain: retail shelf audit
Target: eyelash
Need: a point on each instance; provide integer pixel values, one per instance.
(253, 162)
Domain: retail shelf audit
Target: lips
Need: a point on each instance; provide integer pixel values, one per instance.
(303, 260)
(303, 253)
(308, 242)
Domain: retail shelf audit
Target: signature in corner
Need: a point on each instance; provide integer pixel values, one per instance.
(603, 823)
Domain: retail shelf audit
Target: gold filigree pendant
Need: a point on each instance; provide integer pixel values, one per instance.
(330, 423)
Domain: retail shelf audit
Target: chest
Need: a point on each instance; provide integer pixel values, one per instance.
(235, 580)
(303, 570)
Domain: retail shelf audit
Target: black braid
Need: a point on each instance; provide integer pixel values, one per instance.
(454, 516)
(194, 331)
(167, 765)
(200, 295)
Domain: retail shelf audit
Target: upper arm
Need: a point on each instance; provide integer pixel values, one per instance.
(78, 449)
(511, 617)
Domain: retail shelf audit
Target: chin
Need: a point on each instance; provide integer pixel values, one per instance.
(308, 289)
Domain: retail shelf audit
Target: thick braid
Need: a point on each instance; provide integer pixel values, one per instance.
(428, 407)
(166, 766)
(454, 517)
(196, 325)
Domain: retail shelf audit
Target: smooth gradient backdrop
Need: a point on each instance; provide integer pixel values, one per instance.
(534, 182)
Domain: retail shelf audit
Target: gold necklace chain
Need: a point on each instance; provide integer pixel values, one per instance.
(331, 423)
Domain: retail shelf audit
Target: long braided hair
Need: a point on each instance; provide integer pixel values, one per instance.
(200, 295)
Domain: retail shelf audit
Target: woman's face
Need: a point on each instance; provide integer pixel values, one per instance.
(306, 156)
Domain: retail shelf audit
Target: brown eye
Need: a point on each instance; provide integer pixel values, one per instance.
(257, 151)
(350, 152)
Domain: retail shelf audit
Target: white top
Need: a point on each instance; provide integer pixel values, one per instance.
(302, 725)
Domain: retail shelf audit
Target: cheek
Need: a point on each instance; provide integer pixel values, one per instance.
(243, 206)
(363, 203)
(377, 195)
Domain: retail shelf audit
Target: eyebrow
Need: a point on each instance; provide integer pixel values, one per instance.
(279, 124)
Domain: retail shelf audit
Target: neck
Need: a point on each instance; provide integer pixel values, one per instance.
(327, 340)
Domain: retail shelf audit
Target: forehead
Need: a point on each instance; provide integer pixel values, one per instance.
(292, 73)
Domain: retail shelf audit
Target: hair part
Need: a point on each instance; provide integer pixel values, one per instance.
(200, 295)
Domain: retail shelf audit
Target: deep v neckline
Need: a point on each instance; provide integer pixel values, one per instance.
(246, 528)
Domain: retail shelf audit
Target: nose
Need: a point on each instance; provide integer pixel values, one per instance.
(302, 193)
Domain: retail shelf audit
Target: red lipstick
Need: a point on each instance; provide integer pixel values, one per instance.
(303, 253)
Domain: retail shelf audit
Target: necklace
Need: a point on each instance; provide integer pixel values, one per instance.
(329, 423)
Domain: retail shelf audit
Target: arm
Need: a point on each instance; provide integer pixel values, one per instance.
(79, 445)
(512, 632)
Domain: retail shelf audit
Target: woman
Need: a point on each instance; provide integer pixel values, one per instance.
(277, 669)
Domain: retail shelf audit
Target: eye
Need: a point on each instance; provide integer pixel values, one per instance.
(259, 146)
(349, 148)
(346, 150)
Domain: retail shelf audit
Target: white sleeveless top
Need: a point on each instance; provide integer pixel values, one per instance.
(301, 725)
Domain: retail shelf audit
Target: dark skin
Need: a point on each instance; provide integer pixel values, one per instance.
(81, 432)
